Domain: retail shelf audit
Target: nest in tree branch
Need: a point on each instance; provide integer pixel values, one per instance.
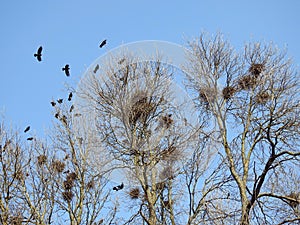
(202, 96)
(90, 185)
(294, 203)
(228, 92)
(68, 184)
(256, 69)
(263, 97)
(247, 82)
(42, 159)
(58, 166)
(134, 193)
(67, 195)
(72, 176)
(16, 220)
(140, 111)
(19, 175)
(167, 121)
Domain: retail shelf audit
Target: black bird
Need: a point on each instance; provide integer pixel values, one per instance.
(27, 129)
(96, 68)
(66, 69)
(60, 100)
(102, 43)
(119, 187)
(56, 115)
(70, 96)
(71, 108)
(68, 171)
(38, 55)
(53, 103)
(30, 138)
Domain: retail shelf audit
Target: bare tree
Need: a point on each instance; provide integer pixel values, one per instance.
(253, 99)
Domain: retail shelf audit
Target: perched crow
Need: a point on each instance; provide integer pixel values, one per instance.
(70, 96)
(60, 100)
(30, 138)
(66, 69)
(56, 115)
(102, 43)
(38, 55)
(71, 108)
(53, 103)
(96, 68)
(27, 129)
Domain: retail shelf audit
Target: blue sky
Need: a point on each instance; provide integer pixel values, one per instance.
(70, 32)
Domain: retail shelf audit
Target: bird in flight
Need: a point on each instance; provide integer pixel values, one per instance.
(53, 103)
(60, 100)
(102, 43)
(70, 96)
(66, 69)
(71, 108)
(30, 138)
(38, 55)
(119, 187)
(96, 68)
(27, 129)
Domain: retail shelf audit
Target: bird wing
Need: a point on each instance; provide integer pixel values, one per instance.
(39, 58)
(40, 50)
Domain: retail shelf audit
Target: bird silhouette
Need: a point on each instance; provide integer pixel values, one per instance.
(56, 115)
(66, 69)
(71, 108)
(27, 129)
(53, 103)
(70, 96)
(102, 43)
(96, 68)
(119, 187)
(38, 55)
(30, 138)
(60, 100)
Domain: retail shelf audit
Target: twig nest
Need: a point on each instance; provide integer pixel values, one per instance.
(263, 97)
(67, 195)
(42, 159)
(134, 193)
(247, 82)
(256, 69)
(58, 166)
(228, 92)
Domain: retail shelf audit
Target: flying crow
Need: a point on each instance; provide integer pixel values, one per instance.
(96, 68)
(53, 103)
(66, 69)
(102, 43)
(60, 100)
(70, 96)
(119, 187)
(30, 138)
(27, 129)
(38, 55)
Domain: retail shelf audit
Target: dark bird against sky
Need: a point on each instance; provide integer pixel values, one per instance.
(66, 69)
(27, 129)
(96, 68)
(119, 187)
(30, 139)
(70, 96)
(53, 103)
(60, 100)
(102, 43)
(38, 55)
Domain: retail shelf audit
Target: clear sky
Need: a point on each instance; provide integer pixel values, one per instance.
(70, 32)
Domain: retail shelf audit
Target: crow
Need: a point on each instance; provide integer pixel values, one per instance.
(56, 115)
(71, 108)
(27, 129)
(38, 55)
(70, 96)
(66, 69)
(119, 187)
(60, 100)
(96, 68)
(30, 138)
(53, 103)
(102, 43)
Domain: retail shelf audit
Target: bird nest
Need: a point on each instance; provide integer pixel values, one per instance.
(68, 184)
(167, 121)
(256, 69)
(140, 111)
(58, 166)
(263, 97)
(228, 92)
(67, 195)
(90, 185)
(247, 82)
(134, 193)
(72, 176)
(41, 159)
